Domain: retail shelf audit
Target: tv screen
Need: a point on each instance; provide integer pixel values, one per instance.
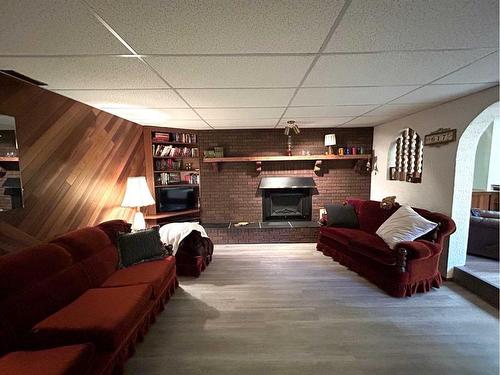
(176, 199)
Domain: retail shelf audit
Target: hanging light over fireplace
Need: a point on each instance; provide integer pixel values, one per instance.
(293, 126)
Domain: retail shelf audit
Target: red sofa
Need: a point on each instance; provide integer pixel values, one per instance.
(65, 308)
(410, 268)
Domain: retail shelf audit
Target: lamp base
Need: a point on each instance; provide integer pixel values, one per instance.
(139, 223)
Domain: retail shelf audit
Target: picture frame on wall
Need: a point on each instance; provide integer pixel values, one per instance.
(440, 137)
(392, 173)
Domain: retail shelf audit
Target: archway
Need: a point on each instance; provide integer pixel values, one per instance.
(462, 190)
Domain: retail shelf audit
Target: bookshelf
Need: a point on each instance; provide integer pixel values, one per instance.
(172, 160)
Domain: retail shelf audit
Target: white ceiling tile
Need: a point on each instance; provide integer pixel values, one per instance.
(381, 25)
(227, 26)
(185, 124)
(440, 93)
(328, 111)
(232, 71)
(150, 116)
(484, 70)
(349, 95)
(316, 122)
(385, 69)
(239, 113)
(126, 98)
(397, 109)
(85, 72)
(237, 97)
(53, 27)
(243, 123)
(369, 121)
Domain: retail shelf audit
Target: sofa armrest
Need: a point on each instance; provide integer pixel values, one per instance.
(420, 249)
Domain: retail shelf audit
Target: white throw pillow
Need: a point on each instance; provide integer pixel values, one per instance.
(404, 225)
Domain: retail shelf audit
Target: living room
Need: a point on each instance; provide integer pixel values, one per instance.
(276, 187)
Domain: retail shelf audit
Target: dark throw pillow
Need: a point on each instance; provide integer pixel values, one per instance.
(141, 246)
(341, 216)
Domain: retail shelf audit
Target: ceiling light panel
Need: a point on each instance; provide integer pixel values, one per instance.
(349, 95)
(232, 71)
(126, 98)
(53, 27)
(385, 69)
(227, 26)
(86, 72)
(383, 25)
(237, 97)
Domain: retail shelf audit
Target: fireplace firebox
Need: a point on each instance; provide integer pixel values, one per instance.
(286, 198)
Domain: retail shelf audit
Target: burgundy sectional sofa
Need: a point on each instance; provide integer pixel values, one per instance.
(194, 255)
(410, 268)
(66, 308)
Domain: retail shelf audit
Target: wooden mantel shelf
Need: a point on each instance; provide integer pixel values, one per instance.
(240, 159)
(318, 160)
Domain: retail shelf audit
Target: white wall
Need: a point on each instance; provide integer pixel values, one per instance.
(482, 162)
(436, 190)
(494, 168)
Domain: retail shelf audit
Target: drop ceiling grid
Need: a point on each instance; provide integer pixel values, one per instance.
(296, 62)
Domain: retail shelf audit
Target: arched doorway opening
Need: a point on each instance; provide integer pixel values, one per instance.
(463, 182)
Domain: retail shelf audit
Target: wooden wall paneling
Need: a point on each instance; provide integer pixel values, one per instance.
(74, 159)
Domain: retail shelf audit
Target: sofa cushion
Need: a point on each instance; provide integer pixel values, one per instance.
(43, 298)
(94, 249)
(156, 273)
(141, 246)
(83, 243)
(343, 216)
(404, 225)
(24, 268)
(64, 360)
(370, 215)
(114, 227)
(101, 265)
(103, 316)
(341, 235)
(372, 247)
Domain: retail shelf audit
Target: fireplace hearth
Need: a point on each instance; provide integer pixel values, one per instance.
(286, 198)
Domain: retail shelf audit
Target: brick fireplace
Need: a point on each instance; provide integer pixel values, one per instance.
(232, 194)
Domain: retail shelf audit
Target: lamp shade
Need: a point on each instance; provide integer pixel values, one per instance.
(330, 140)
(137, 193)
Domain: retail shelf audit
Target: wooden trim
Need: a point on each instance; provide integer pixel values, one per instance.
(240, 159)
(165, 215)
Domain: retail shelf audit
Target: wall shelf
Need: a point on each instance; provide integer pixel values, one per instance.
(318, 159)
(9, 158)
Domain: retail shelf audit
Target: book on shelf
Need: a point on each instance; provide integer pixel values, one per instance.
(174, 152)
(174, 178)
(175, 137)
(192, 178)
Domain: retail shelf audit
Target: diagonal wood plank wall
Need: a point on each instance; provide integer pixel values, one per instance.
(74, 159)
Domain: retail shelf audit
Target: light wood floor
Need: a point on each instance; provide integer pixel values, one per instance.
(287, 309)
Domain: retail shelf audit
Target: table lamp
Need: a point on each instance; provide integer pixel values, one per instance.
(137, 195)
(330, 141)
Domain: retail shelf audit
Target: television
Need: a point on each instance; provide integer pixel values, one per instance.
(169, 199)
